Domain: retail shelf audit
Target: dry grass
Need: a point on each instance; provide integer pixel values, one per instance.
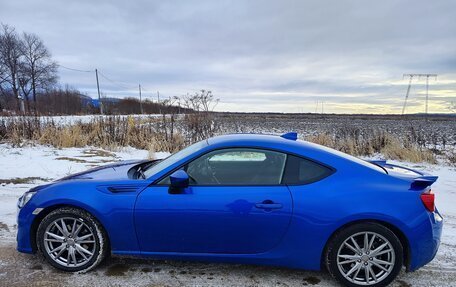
(364, 144)
(72, 159)
(410, 154)
(22, 180)
(452, 157)
(108, 133)
(97, 152)
(172, 134)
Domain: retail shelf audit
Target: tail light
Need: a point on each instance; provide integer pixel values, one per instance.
(428, 199)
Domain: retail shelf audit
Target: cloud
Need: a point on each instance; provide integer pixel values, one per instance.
(273, 55)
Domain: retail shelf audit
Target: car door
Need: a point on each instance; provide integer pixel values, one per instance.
(235, 204)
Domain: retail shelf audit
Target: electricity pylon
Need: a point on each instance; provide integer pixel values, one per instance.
(411, 76)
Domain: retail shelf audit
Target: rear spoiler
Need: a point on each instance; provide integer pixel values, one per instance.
(420, 182)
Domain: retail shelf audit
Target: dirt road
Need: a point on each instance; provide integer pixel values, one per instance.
(17, 269)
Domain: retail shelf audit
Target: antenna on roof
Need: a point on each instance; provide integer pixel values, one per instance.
(290, 136)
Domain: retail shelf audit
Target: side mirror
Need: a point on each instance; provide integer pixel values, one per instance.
(179, 181)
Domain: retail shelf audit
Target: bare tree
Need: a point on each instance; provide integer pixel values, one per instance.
(200, 121)
(208, 102)
(168, 120)
(202, 102)
(10, 57)
(2, 82)
(2, 70)
(38, 69)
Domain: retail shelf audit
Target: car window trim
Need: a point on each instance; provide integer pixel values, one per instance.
(333, 170)
(223, 148)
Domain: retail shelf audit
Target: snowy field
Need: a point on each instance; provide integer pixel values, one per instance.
(23, 168)
(71, 120)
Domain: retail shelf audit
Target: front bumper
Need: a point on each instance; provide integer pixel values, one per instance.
(25, 218)
(425, 244)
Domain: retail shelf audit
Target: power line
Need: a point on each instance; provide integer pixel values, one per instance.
(151, 93)
(147, 90)
(75, 70)
(117, 83)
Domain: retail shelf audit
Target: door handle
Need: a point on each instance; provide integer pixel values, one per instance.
(268, 205)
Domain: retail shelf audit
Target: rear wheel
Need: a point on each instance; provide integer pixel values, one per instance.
(366, 254)
(72, 240)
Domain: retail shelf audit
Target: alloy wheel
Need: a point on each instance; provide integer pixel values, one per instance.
(69, 242)
(366, 258)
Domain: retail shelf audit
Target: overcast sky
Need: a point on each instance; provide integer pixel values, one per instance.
(280, 56)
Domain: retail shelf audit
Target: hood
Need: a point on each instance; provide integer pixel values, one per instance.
(118, 170)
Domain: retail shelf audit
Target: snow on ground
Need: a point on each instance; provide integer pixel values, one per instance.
(24, 167)
(445, 194)
(51, 163)
(71, 120)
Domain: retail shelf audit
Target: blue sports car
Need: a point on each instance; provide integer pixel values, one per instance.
(244, 198)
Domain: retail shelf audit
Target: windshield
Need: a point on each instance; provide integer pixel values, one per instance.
(175, 157)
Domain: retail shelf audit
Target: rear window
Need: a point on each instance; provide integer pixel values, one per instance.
(302, 171)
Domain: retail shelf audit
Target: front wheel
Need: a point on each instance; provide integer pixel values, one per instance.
(72, 240)
(366, 254)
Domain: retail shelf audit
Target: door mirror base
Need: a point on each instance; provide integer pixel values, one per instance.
(176, 190)
(179, 182)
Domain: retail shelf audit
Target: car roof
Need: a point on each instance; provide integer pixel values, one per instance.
(269, 141)
(287, 143)
(249, 138)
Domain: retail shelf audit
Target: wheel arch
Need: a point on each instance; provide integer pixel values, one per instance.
(37, 220)
(397, 231)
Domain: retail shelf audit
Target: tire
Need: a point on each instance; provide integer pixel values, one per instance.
(350, 268)
(72, 240)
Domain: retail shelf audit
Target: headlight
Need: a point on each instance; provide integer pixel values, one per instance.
(25, 198)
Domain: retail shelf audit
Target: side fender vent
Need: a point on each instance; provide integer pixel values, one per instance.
(118, 188)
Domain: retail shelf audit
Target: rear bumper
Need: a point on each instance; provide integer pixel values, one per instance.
(425, 244)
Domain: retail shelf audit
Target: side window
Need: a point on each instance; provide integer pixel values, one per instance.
(236, 166)
(302, 171)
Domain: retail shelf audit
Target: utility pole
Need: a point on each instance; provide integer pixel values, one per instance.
(99, 95)
(158, 101)
(140, 100)
(427, 93)
(22, 104)
(411, 76)
(19, 97)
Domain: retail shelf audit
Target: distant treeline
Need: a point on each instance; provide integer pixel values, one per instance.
(128, 106)
(70, 101)
(29, 84)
